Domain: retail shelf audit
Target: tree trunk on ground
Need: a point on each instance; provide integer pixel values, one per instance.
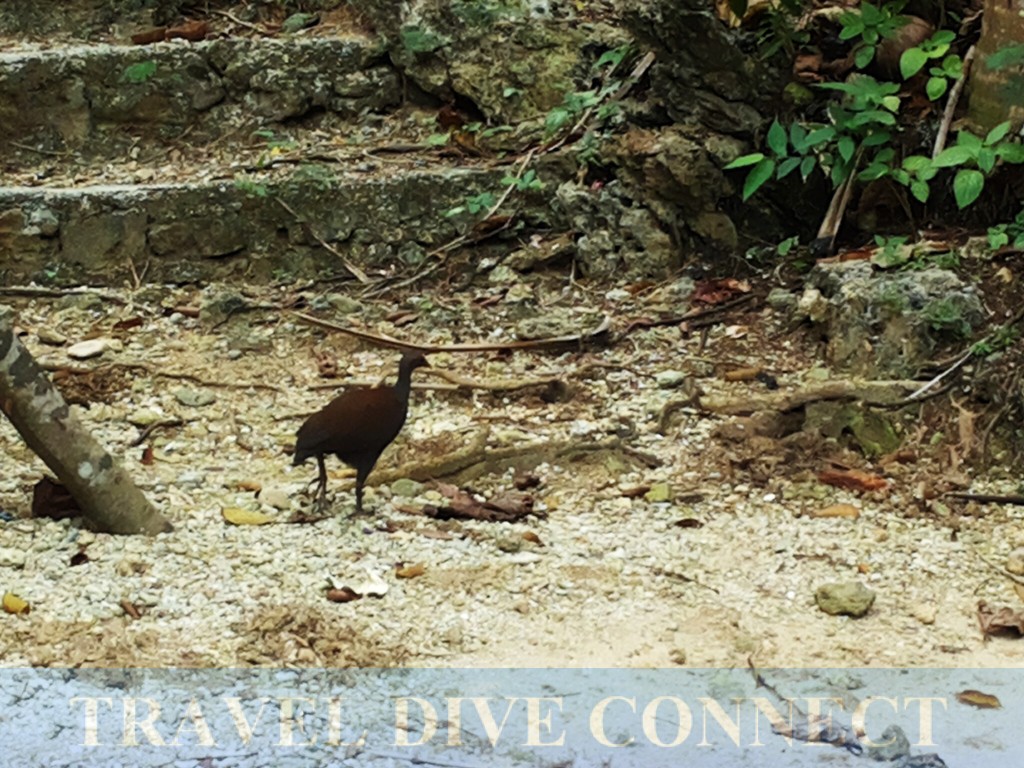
(109, 500)
(998, 94)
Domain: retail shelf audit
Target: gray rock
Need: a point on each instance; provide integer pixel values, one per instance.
(276, 497)
(406, 488)
(848, 598)
(781, 300)
(670, 379)
(892, 745)
(195, 398)
(11, 557)
(84, 350)
(143, 417)
(502, 275)
(343, 305)
(549, 325)
(50, 336)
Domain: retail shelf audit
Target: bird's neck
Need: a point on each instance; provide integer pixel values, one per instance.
(404, 383)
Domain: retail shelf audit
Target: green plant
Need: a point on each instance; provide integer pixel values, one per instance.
(1011, 232)
(138, 73)
(474, 204)
(871, 24)
(1002, 337)
(946, 315)
(976, 158)
(913, 60)
(525, 183)
(780, 30)
(250, 187)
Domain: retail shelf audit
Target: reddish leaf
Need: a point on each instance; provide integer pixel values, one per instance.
(853, 479)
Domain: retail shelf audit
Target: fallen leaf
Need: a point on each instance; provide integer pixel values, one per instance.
(852, 479)
(994, 621)
(79, 558)
(688, 522)
(410, 571)
(342, 595)
(533, 538)
(193, 30)
(155, 35)
(51, 499)
(503, 508)
(14, 604)
(838, 510)
(524, 481)
(636, 491)
(239, 516)
(129, 608)
(741, 374)
(249, 485)
(147, 456)
(719, 291)
(659, 492)
(978, 699)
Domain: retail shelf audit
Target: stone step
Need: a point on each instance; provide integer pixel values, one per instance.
(256, 228)
(103, 101)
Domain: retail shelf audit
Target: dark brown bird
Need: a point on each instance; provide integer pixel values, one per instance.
(357, 426)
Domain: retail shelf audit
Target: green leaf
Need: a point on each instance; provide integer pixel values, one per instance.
(892, 103)
(953, 66)
(438, 139)
(846, 148)
(900, 176)
(138, 73)
(873, 172)
(797, 137)
(556, 118)
(876, 139)
(969, 140)
(757, 177)
(616, 55)
(787, 166)
(915, 163)
(997, 238)
(745, 160)
(820, 136)
(998, 133)
(967, 186)
(986, 159)
(806, 166)
(935, 87)
(777, 139)
(864, 56)
(920, 190)
(941, 38)
(952, 156)
(1011, 152)
(912, 61)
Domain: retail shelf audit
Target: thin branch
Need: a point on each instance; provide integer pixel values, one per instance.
(951, 102)
(357, 273)
(384, 340)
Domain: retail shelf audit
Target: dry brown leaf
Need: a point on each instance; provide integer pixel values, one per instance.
(636, 491)
(410, 571)
(741, 374)
(147, 456)
(978, 699)
(853, 479)
(838, 510)
(533, 538)
(249, 485)
(193, 29)
(129, 608)
(51, 499)
(994, 621)
(343, 595)
(688, 522)
(239, 516)
(14, 604)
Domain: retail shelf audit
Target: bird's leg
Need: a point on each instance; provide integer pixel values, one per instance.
(321, 486)
(360, 481)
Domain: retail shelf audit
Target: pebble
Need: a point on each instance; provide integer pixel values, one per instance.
(12, 558)
(848, 598)
(143, 417)
(406, 488)
(669, 379)
(276, 497)
(195, 398)
(84, 350)
(51, 337)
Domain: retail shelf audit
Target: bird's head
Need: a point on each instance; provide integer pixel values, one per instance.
(413, 359)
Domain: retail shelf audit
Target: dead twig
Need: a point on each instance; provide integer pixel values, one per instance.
(153, 428)
(231, 17)
(951, 102)
(384, 340)
(33, 291)
(688, 317)
(356, 272)
(987, 498)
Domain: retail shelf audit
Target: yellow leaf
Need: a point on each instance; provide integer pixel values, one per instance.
(837, 510)
(410, 571)
(14, 604)
(979, 699)
(239, 516)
